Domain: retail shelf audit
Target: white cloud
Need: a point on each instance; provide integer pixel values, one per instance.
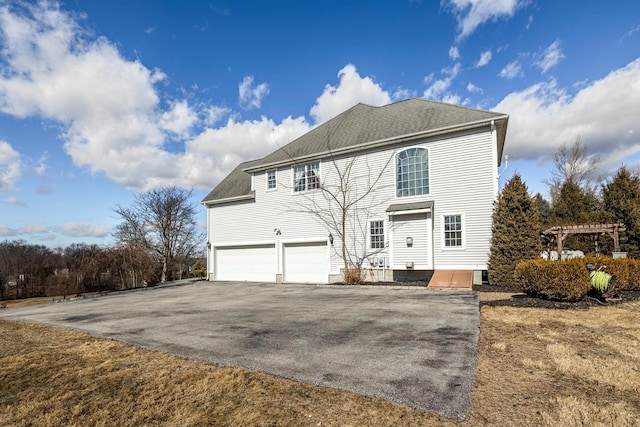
(41, 166)
(549, 57)
(351, 90)
(485, 58)
(634, 29)
(81, 229)
(52, 70)
(472, 13)
(179, 119)
(13, 201)
(10, 166)
(429, 78)
(215, 152)
(529, 22)
(401, 93)
(438, 89)
(511, 70)
(30, 229)
(543, 116)
(215, 113)
(251, 96)
(473, 88)
(451, 99)
(454, 53)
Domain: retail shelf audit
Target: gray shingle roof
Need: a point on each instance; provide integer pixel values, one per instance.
(236, 184)
(363, 125)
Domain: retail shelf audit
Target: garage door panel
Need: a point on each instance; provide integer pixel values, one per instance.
(246, 263)
(306, 263)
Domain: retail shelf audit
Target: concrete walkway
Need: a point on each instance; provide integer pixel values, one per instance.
(416, 347)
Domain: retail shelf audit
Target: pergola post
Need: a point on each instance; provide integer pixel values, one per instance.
(616, 238)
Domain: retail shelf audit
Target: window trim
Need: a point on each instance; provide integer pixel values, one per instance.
(463, 233)
(294, 189)
(384, 234)
(395, 173)
(275, 180)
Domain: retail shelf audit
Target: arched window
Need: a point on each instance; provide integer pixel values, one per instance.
(412, 172)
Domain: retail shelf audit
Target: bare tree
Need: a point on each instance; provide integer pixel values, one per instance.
(347, 199)
(573, 164)
(164, 222)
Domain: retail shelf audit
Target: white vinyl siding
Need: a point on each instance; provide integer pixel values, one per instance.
(467, 186)
(462, 173)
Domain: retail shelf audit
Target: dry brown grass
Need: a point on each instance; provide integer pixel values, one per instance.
(39, 300)
(535, 367)
(559, 367)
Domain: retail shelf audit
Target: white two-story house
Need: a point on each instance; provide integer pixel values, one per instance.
(410, 188)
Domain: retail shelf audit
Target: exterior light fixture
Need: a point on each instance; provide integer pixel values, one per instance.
(331, 238)
(208, 245)
(409, 242)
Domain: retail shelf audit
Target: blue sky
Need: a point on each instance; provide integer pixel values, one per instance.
(101, 99)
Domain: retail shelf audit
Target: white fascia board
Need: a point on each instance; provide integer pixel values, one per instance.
(230, 199)
(409, 212)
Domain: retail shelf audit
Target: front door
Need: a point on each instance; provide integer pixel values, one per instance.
(412, 242)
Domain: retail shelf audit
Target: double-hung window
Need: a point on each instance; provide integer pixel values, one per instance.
(412, 172)
(271, 180)
(306, 177)
(376, 233)
(452, 231)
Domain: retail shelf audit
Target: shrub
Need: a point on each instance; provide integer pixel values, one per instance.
(354, 275)
(562, 280)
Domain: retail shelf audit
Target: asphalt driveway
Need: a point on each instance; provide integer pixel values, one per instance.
(416, 347)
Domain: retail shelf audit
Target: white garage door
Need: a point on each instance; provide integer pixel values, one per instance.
(306, 263)
(246, 263)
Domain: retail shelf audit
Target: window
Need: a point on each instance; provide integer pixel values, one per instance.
(412, 172)
(452, 231)
(306, 177)
(376, 231)
(271, 180)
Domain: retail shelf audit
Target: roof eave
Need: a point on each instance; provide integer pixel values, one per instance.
(244, 197)
(501, 128)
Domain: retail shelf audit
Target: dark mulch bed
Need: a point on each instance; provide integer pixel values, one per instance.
(523, 300)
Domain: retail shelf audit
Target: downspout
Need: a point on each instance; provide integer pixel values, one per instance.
(494, 150)
(209, 250)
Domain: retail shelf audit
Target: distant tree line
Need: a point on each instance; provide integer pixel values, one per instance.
(157, 241)
(577, 195)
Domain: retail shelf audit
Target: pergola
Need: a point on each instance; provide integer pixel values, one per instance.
(560, 232)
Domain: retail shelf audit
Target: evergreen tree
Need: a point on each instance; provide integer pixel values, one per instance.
(544, 210)
(516, 232)
(575, 206)
(621, 203)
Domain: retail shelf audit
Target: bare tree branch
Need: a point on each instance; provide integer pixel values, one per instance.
(163, 221)
(573, 164)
